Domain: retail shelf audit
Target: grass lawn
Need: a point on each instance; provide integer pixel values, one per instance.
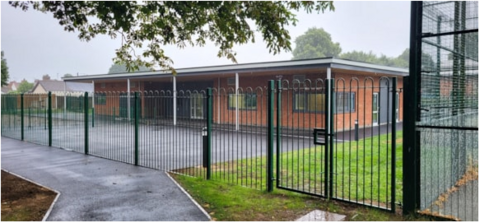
(228, 202)
(362, 171)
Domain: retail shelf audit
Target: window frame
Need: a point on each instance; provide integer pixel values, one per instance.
(352, 103)
(100, 97)
(231, 96)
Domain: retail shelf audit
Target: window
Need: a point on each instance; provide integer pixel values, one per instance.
(309, 102)
(102, 85)
(245, 101)
(298, 78)
(100, 98)
(345, 102)
(231, 81)
(315, 102)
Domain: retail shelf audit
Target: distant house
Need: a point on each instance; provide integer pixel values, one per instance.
(59, 89)
(12, 86)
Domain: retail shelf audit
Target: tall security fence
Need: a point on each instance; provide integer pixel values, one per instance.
(333, 138)
(443, 114)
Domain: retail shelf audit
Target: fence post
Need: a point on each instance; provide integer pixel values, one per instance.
(279, 128)
(50, 130)
(209, 132)
(394, 138)
(328, 109)
(270, 104)
(21, 119)
(85, 110)
(137, 116)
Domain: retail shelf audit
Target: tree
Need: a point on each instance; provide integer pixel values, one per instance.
(24, 87)
(315, 43)
(67, 75)
(401, 61)
(153, 24)
(5, 75)
(122, 68)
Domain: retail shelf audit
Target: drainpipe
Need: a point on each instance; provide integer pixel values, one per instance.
(174, 100)
(236, 101)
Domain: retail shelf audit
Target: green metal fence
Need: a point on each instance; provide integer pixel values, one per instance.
(441, 156)
(259, 137)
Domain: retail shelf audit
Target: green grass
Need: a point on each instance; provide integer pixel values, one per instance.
(362, 171)
(228, 202)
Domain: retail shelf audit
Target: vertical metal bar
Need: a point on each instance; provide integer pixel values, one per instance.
(394, 142)
(279, 128)
(236, 101)
(411, 162)
(137, 116)
(209, 131)
(128, 100)
(21, 118)
(93, 104)
(174, 79)
(271, 95)
(85, 110)
(330, 107)
(49, 118)
(327, 132)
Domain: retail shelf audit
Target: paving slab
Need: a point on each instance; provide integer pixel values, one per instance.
(96, 189)
(319, 215)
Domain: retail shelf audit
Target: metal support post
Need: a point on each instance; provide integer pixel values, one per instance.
(85, 110)
(50, 130)
(209, 131)
(411, 159)
(270, 104)
(394, 139)
(137, 117)
(279, 127)
(22, 118)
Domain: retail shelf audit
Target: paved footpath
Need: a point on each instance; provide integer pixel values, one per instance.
(96, 189)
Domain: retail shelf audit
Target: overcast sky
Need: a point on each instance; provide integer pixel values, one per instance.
(35, 44)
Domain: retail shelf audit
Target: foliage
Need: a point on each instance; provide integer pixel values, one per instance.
(154, 24)
(24, 87)
(370, 57)
(315, 43)
(67, 75)
(5, 75)
(122, 68)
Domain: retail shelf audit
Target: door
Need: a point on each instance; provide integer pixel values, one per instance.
(375, 109)
(196, 106)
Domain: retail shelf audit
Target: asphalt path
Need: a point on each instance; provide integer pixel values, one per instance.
(96, 189)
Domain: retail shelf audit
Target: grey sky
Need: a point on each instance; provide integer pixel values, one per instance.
(35, 44)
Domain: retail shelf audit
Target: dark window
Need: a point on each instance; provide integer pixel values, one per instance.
(345, 102)
(100, 98)
(245, 101)
(315, 102)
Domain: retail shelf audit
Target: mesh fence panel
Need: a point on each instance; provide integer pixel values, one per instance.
(449, 110)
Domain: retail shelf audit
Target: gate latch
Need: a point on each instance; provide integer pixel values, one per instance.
(317, 134)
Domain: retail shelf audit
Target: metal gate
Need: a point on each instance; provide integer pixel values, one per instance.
(441, 148)
(329, 144)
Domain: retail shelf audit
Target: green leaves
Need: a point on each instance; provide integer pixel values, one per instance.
(156, 24)
(5, 74)
(315, 43)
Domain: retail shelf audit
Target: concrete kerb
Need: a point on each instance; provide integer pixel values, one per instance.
(189, 197)
(33, 182)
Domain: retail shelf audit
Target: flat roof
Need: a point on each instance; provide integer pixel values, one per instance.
(254, 67)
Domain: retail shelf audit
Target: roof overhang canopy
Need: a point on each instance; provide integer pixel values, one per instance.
(324, 63)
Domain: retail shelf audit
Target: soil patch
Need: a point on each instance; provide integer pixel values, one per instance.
(23, 200)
